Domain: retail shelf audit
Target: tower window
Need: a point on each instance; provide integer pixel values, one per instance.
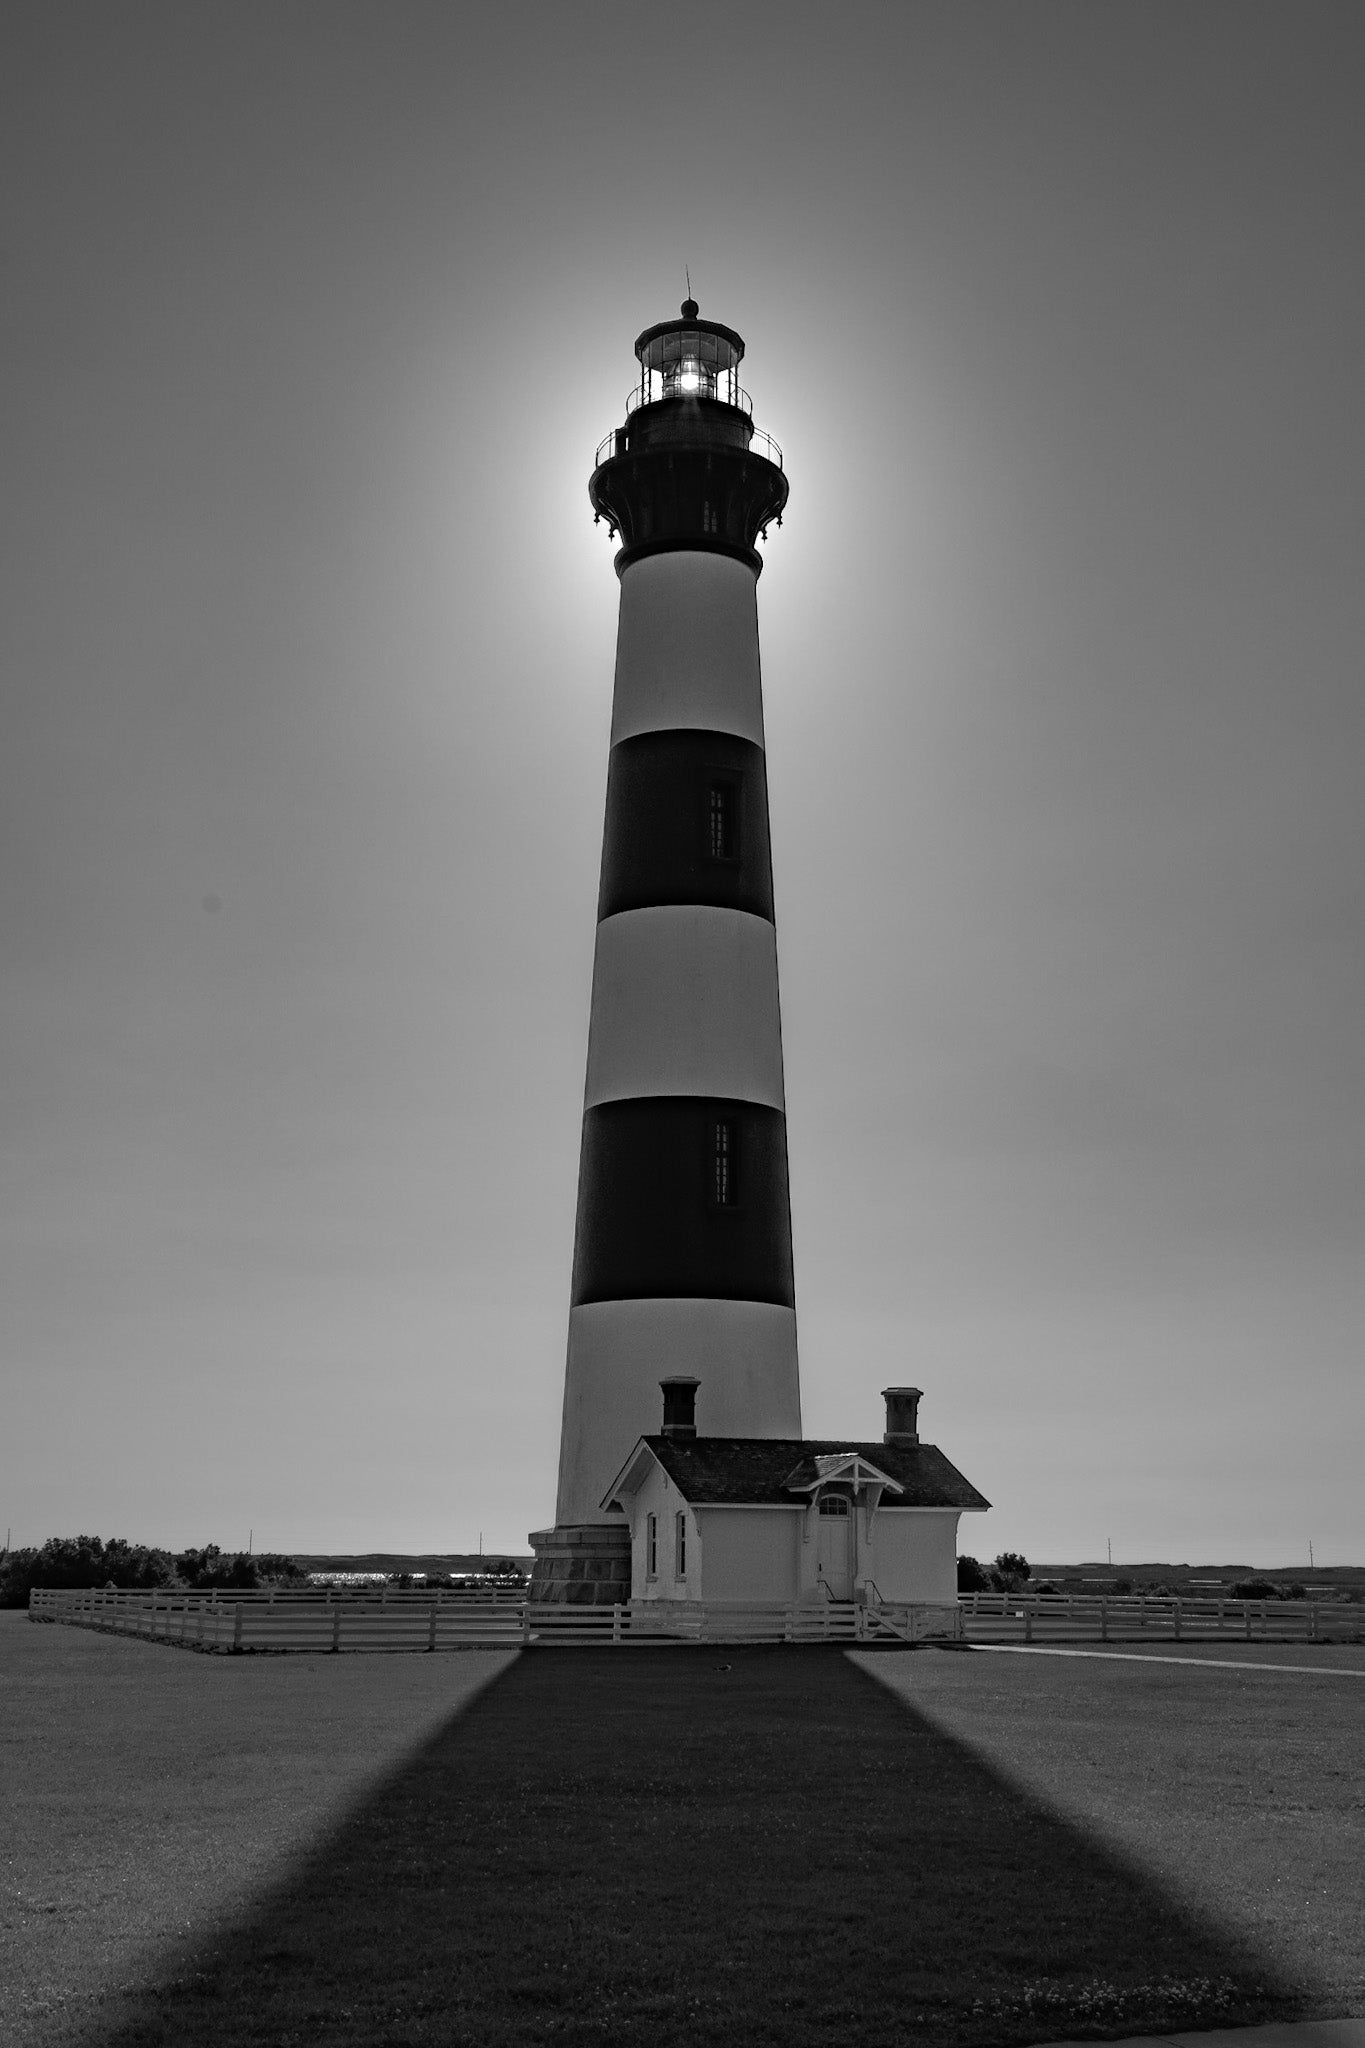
(722, 820)
(725, 1164)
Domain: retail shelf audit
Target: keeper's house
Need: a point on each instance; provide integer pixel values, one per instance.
(777, 1521)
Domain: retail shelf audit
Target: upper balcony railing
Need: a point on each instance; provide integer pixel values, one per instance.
(760, 444)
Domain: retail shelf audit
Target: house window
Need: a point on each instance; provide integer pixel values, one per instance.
(833, 1504)
(722, 820)
(724, 1164)
(652, 1546)
(680, 1546)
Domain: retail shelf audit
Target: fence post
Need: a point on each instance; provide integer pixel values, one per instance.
(1028, 1624)
(237, 1626)
(1104, 1621)
(1246, 1619)
(431, 1627)
(1176, 1620)
(1312, 1624)
(336, 1627)
(526, 1622)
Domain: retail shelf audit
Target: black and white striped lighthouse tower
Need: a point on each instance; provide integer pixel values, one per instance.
(683, 1253)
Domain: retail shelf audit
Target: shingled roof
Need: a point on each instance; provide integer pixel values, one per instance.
(758, 1471)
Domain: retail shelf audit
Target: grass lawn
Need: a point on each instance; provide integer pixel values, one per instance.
(636, 1846)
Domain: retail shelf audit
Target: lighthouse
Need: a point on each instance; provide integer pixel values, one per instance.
(682, 1265)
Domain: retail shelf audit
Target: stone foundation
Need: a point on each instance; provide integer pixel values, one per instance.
(587, 1566)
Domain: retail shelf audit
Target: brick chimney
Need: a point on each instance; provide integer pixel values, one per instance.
(902, 1415)
(680, 1406)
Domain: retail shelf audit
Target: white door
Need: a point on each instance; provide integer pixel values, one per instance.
(835, 1561)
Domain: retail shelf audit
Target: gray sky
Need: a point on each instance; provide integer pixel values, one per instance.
(313, 317)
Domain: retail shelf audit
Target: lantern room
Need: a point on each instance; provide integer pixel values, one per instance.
(690, 358)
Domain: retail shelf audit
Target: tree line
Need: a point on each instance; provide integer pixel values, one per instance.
(92, 1561)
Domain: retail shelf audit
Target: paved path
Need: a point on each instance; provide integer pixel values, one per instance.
(1208, 1663)
(1306, 2034)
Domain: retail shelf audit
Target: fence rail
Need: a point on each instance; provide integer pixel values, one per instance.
(1059, 1618)
(228, 1621)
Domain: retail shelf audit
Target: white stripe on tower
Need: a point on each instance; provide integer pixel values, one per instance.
(685, 1003)
(687, 647)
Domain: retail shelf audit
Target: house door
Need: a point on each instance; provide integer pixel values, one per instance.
(835, 1561)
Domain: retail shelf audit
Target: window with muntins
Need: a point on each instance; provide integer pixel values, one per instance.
(724, 1176)
(652, 1547)
(680, 1547)
(722, 821)
(833, 1504)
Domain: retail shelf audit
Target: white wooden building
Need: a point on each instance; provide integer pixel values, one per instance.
(783, 1521)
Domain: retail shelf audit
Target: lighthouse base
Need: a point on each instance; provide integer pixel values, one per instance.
(585, 1566)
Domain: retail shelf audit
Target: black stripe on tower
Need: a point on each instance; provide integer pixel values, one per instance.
(687, 822)
(683, 1195)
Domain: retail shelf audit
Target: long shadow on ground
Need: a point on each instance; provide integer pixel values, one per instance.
(684, 1847)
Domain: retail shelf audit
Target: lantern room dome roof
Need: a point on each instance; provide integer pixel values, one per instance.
(663, 346)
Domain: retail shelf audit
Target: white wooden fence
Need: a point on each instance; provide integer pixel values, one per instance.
(231, 1621)
(453, 1618)
(1029, 1617)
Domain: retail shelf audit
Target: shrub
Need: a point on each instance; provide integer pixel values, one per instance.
(209, 1567)
(972, 1577)
(1255, 1589)
(16, 1577)
(1011, 1571)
